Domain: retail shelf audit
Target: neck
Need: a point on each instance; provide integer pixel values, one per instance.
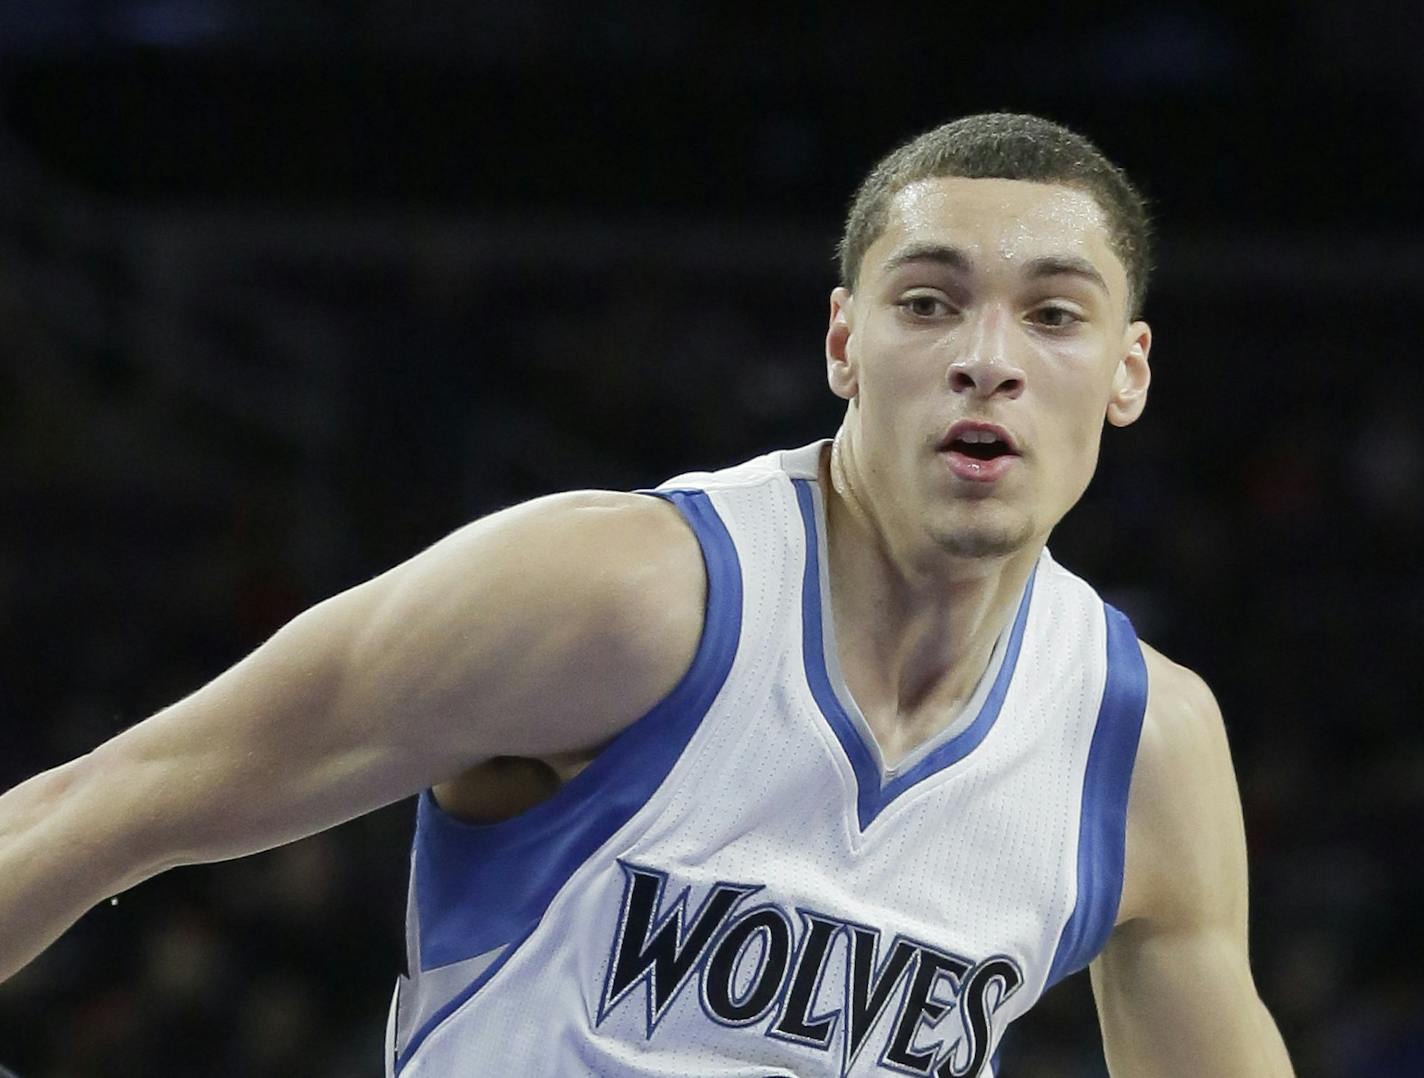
(915, 626)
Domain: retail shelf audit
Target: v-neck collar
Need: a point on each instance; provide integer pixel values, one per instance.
(878, 786)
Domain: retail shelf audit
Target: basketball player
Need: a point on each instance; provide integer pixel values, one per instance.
(819, 765)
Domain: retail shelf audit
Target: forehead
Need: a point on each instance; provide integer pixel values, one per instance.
(999, 222)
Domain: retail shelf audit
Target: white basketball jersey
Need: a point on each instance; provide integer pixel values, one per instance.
(737, 886)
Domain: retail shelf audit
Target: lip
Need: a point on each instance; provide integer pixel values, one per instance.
(972, 469)
(966, 426)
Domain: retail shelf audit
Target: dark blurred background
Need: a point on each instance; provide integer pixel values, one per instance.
(288, 291)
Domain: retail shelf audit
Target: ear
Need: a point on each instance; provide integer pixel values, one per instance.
(1132, 377)
(840, 368)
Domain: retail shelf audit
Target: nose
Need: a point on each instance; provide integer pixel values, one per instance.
(985, 367)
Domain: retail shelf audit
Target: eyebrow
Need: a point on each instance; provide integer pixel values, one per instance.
(943, 254)
(939, 253)
(1058, 265)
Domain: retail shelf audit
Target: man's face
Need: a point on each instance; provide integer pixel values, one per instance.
(986, 342)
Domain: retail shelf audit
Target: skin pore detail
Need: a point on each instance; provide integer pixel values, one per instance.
(984, 347)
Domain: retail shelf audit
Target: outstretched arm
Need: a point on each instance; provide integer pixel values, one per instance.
(541, 630)
(1175, 994)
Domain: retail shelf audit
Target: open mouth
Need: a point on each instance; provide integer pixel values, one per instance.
(980, 445)
(979, 452)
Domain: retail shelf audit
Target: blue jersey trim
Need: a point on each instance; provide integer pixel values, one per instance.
(478, 887)
(404, 1058)
(1102, 834)
(871, 797)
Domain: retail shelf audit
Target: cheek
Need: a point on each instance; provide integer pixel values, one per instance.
(896, 376)
(1078, 425)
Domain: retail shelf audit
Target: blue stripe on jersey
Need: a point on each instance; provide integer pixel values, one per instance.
(871, 797)
(480, 886)
(418, 1038)
(1102, 834)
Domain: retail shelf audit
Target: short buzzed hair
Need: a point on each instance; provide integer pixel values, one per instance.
(1010, 146)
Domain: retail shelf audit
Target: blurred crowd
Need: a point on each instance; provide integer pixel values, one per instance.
(1261, 524)
(211, 418)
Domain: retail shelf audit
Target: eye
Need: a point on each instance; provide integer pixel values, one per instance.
(923, 305)
(1055, 316)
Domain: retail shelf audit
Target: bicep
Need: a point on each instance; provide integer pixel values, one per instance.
(1180, 1003)
(532, 632)
(1174, 986)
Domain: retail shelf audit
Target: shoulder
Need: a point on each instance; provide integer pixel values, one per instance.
(628, 566)
(1184, 818)
(1183, 724)
(595, 521)
(619, 551)
(565, 617)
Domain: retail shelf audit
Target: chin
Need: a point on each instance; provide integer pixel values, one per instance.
(985, 539)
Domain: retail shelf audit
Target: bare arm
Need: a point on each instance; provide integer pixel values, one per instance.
(1174, 987)
(541, 630)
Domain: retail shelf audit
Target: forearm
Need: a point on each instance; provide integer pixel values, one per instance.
(255, 758)
(220, 774)
(54, 865)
